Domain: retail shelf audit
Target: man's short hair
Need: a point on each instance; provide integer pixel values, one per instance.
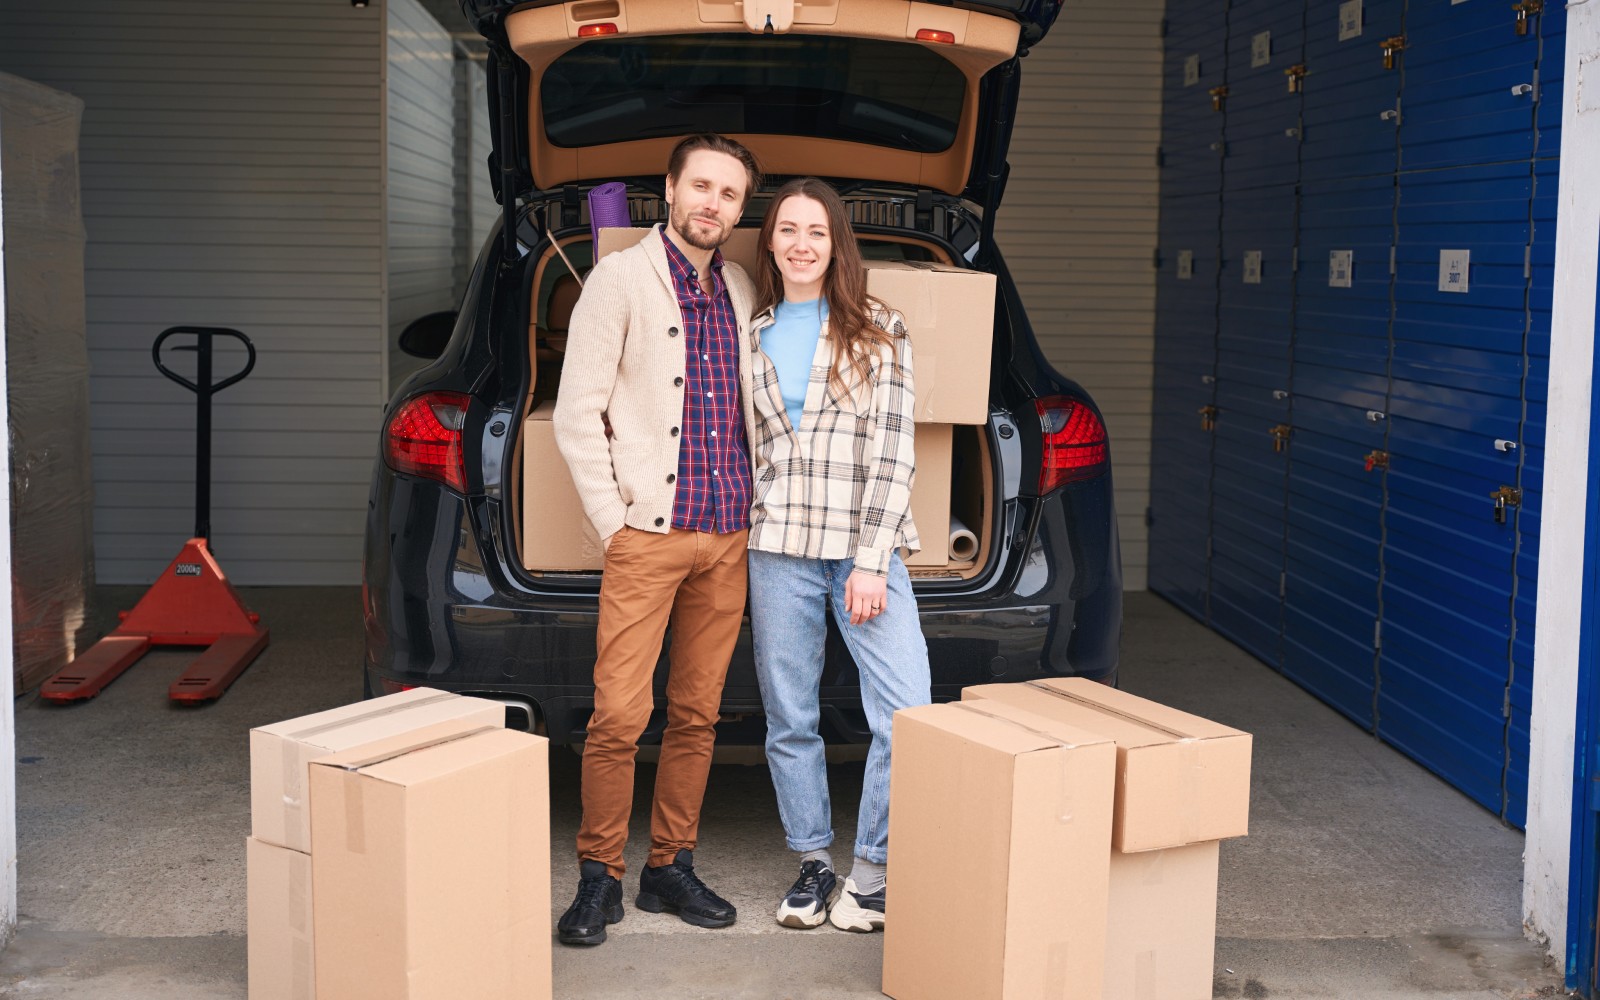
(716, 144)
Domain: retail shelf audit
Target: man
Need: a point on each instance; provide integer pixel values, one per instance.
(654, 348)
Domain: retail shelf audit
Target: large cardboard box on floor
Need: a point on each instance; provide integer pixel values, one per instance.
(1181, 779)
(1021, 807)
(431, 870)
(556, 533)
(280, 754)
(278, 922)
(1183, 785)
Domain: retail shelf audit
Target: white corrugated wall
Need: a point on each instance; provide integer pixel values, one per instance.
(231, 164)
(421, 173)
(1078, 225)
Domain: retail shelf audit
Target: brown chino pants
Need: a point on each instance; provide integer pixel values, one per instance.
(698, 580)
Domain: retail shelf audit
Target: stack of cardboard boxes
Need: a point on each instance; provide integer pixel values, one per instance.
(950, 314)
(1058, 839)
(400, 851)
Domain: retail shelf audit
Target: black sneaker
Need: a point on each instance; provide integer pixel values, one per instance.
(598, 903)
(675, 888)
(807, 901)
(857, 910)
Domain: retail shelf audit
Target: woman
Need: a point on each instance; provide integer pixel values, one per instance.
(833, 467)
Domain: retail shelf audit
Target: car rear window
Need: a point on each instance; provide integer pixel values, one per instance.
(893, 94)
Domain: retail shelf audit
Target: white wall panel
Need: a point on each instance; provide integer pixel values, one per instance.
(421, 173)
(232, 163)
(1078, 226)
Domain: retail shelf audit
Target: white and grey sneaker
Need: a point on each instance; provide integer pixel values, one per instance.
(806, 903)
(857, 910)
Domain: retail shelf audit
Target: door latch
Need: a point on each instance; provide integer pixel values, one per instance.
(1526, 9)
(1504, 497)
(1217, 96)
(1392, 47)
(1377, 460)
(1297, 77)
(1208, 418)
(1280, 436)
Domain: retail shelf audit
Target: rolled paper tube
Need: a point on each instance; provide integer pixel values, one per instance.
(608, 209)
(963, 543)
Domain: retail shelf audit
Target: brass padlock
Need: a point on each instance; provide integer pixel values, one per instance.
(1297, 76)
(1280, 436)
(1208, 418)
(1217, 94)
(1391, 48)
(1525, 9)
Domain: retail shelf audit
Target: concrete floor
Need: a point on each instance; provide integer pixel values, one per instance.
(1363, 876)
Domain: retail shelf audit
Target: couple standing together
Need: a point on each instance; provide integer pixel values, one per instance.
(728, 432)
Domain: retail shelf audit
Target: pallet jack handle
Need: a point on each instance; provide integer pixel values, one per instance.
(203, 389)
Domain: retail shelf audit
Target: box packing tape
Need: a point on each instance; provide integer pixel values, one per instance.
(1177, 734)
(294, 792)
(1145, 979)
(355, 820)
(1056, 980)
(1064, 798)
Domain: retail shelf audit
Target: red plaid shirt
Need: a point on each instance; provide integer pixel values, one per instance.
(714, 487)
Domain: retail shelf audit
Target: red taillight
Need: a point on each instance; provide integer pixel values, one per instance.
(936, 35)
(394, 687)
(424, 438)
(1074, 443)
(593, 30)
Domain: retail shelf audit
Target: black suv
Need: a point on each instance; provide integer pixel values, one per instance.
(907, 109)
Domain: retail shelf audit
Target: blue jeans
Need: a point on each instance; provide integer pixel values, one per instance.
(789, 597)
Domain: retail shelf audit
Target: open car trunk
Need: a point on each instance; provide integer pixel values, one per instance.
(954, 497)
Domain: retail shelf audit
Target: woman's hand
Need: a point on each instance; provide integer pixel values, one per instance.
(865, 596)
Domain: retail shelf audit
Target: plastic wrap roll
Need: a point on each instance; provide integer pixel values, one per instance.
(963, 543)
(608, 209)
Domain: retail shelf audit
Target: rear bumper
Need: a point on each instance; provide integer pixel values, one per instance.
(441, 610)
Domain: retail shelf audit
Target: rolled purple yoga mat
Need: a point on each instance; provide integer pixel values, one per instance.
(608, 209)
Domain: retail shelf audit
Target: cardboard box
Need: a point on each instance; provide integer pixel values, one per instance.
(431, 870)
(740, 248)
(556, 533)
(278, 921)
(1161, 926)
(949, 312)
(1181, 779)
(1021, 806)
(280, 754)
(930, 496)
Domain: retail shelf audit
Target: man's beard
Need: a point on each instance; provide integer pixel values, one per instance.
(681, 224)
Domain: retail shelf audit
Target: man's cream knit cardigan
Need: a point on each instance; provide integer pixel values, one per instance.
(626, 359)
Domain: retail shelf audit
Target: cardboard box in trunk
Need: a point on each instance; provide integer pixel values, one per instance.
(949, 312)
(1023, 805)
(280, 754)
(556, 533)
(278, 922)
(1181, 779)
(930, 496)
(1161, 924)
(431, 870)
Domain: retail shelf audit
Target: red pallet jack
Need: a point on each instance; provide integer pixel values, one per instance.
(191, 603)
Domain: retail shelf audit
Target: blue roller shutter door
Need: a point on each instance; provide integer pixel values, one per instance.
(1186, 311)
(1255, 324)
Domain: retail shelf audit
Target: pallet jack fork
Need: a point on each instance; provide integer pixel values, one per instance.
(191, 603)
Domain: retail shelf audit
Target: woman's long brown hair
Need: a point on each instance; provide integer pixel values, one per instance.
(850, 309)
